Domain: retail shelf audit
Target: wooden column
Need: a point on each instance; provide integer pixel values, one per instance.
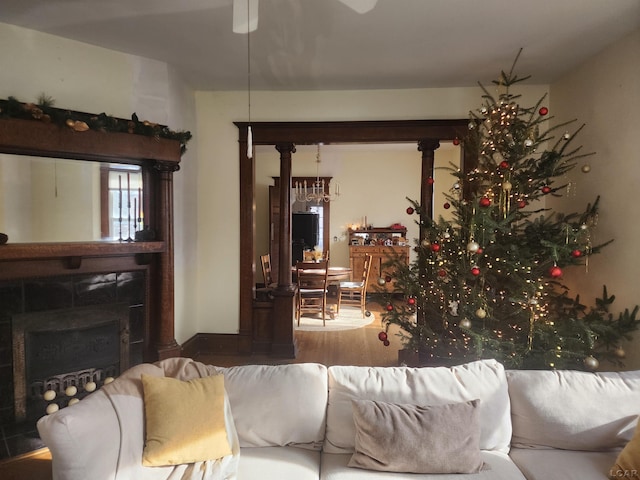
(247, 245)
(428, 148)
(165, 344)
(283, 307)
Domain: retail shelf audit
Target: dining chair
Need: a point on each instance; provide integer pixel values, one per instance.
(355, 293)
(311, 295)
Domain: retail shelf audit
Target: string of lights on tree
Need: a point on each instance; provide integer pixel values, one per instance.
(488, 282)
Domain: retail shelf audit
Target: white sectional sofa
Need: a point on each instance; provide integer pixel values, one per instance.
(296, 421)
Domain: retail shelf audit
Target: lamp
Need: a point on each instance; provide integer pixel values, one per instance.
(317, 193)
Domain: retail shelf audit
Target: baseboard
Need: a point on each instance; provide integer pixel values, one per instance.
(211, 343)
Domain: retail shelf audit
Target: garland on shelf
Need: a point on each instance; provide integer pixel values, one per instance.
(44, 111)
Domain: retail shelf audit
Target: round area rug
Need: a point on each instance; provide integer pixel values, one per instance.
(349, 319)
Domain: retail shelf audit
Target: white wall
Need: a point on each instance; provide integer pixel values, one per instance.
(218, 171)
(91, 79)
(604, 94)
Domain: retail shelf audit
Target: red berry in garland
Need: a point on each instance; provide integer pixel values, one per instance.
(387, 278)
(386, 343)
(430, 180)
(411, 300)
(447, 205)
(456, 141)
(543, 111)
(389, 307)
(382, 336)
(435, 247)
(555, 271)
(546, 189)
(475, 271)
(504, 165)
(522, 203)
(485, 202)
(410, 210)
(442, 272)
(576, 253)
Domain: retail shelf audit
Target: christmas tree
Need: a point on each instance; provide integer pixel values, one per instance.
(488, 282)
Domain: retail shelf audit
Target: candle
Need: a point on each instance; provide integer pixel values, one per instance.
(120, 192)
(139, 204)
(128, 191)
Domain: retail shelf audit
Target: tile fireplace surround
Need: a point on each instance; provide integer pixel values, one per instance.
(70, 296)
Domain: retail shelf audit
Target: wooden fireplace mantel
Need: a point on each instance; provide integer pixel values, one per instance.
(159, 158)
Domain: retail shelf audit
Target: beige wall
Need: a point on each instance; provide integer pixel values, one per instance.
(604, 94)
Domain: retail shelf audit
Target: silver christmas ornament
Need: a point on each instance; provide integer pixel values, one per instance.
(591, 363)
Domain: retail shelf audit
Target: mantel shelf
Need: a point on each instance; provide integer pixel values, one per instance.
(30, 251)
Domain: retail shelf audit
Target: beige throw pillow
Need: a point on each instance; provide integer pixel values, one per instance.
(184, 421)
(627, 464)
(417, 439)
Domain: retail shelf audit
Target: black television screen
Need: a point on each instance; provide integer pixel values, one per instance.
(304, 229)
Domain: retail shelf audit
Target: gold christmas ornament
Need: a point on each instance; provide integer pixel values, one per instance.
(591, 363)
(481, 313)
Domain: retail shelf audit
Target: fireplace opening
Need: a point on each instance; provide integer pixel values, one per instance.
(61, 356)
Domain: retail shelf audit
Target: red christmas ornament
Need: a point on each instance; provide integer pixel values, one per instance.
(430, 180)
(475, 271)
(410, 210)
(522, 203)
(411, 300)
(456, 141)
(382, 336)
(543, 111)
(442, 273)
(504, 165)
(389, 307)
(447, 205)
(546, 189)
(485, 202)
(555, 271)
(576, 253)
(435, 247)
(479, 251)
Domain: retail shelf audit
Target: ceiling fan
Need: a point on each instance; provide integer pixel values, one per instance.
(245, 12)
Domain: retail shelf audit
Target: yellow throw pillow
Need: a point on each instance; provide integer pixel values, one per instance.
(627, 464)
(184, 421)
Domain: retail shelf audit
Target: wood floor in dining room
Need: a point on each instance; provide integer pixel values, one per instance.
(347, 347)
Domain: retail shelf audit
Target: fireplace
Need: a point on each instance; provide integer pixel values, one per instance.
(60, 356)
(64, 331)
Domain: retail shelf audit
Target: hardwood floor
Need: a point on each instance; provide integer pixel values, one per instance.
(349, 347)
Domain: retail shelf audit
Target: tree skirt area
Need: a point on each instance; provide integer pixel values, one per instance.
(350, 318)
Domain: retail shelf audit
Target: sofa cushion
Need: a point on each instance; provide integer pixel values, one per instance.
(550, 464)
(276, 405)
(416, 439)
(484, 380)
(184, 420)
(566, 409)
(279, 463)
(497, 466)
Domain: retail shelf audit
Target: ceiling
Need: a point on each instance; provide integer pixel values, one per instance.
(325, 45)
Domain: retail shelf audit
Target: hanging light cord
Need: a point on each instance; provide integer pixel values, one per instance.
(249, 132)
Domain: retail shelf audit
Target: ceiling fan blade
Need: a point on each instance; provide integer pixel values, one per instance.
(360, 6)
(245, 16)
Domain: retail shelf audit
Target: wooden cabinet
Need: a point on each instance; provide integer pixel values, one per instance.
(382, 244)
